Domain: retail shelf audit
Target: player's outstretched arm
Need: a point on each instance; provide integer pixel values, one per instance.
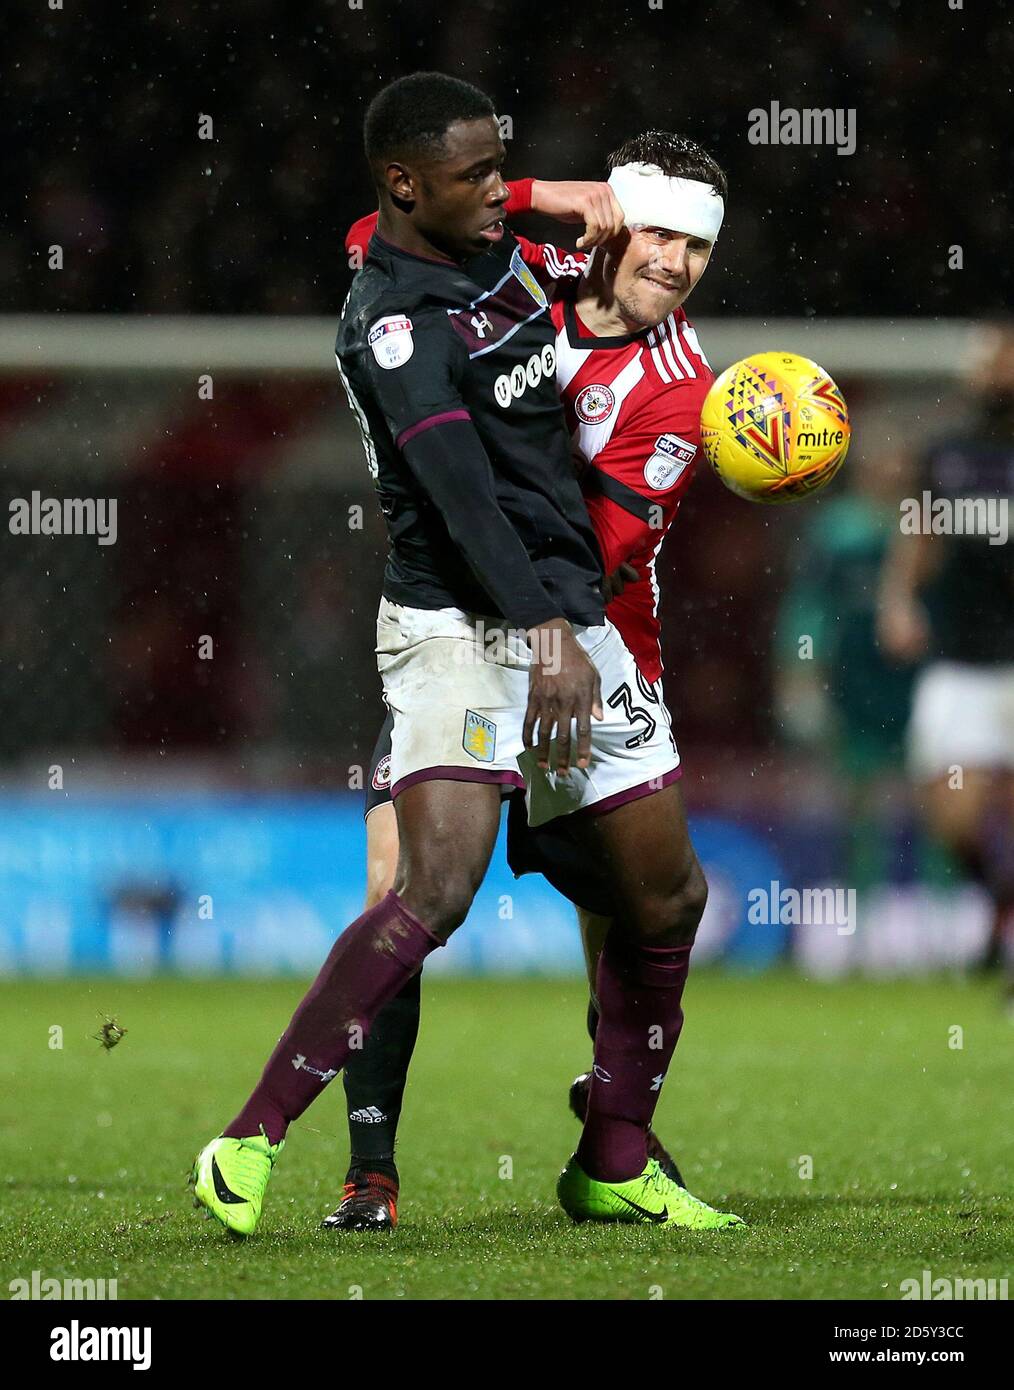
(567, 200)
(580, 200)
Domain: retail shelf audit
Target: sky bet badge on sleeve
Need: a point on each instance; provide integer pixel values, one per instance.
(479, 738)
(391, 341)
(672, 455)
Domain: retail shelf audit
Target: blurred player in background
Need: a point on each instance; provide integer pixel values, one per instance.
(632, 378)
(947, 598)
(847, 704)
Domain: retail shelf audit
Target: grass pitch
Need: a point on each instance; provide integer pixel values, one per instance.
(909, 1137)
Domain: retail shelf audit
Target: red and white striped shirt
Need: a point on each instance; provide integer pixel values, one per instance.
(633, 408)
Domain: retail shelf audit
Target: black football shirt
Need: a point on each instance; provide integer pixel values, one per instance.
(464, 356)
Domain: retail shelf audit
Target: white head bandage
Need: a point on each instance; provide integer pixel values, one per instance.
(650, 198)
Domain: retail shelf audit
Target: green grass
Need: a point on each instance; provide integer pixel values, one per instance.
(909, 1140)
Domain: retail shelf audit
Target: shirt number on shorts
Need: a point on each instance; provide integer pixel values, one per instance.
(637, 715)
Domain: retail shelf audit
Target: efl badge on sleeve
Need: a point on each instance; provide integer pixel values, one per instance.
(672, 455)
(391, 341)
(479, 739)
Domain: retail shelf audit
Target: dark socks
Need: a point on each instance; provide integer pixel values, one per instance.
(374, 1080)
(639, 990)
(593, 1019)
(369, 963)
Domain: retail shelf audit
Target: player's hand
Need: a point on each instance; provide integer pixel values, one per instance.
(614, 584)
(580, 200)
(563, 687)
(903, 629)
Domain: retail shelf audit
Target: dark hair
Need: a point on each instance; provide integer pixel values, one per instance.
(411, 116)
(676, 155)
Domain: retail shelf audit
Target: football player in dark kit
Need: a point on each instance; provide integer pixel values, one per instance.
(493, 646)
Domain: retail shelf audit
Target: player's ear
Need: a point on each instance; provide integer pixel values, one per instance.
(400, 185)
(704, 267)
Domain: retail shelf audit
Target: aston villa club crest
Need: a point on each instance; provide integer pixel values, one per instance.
(382, 774)
(521, 272)
(594, 404)
(479, 737)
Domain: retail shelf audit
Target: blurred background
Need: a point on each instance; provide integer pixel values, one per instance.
(187, 715)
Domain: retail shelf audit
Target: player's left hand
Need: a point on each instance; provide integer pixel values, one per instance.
(580, 200)
(614, 584)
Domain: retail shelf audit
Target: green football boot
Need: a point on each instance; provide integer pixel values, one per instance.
(652, 1197)
(229, 1178)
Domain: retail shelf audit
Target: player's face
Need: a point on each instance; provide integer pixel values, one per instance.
(459, 198)
(652, 274)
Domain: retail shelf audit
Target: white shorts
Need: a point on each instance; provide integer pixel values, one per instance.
(457, 685)
(963, 715)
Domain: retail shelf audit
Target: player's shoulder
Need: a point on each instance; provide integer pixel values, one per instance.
(678, 375)
(388, 285)
(388, 305)
(678, 329)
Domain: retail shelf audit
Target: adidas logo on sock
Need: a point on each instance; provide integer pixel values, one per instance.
(369, 1115)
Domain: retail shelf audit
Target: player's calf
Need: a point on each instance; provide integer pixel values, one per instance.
(660, 893)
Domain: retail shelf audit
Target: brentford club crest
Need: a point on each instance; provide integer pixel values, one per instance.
(382, 775)
(594, 404)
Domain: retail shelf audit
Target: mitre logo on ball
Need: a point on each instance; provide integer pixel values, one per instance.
(594, 404)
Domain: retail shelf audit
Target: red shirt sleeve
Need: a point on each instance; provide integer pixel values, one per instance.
(550, 263)
(357, 238)
(520, 199)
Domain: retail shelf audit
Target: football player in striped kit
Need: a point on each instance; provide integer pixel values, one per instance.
(632, 378)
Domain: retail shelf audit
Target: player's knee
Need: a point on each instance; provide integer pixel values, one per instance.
(671, 915)
(693, 900)
(440, 901)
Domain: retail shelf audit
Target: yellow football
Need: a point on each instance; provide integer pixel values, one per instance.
(775, 427)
